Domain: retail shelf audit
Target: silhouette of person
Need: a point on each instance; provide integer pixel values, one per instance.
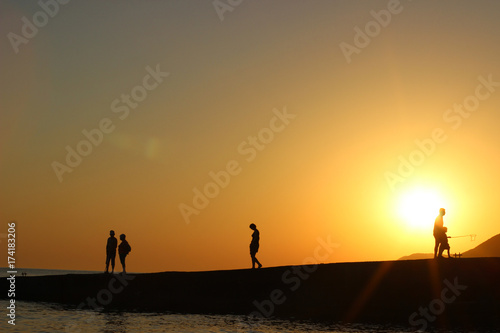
(444, 244)
(123, 249)
(439, 232)
(111, 251)
(254, 246)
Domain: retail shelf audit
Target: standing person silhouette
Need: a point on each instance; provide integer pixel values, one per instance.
(254, 246)
(445, 245)
(123, 249)
(111, 251)
(439, 232)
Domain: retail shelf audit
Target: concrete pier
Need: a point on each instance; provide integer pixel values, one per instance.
(443, 293)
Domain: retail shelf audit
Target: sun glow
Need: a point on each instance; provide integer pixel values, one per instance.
(419, 207)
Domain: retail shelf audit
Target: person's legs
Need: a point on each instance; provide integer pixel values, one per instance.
(448, 249)
(441, 250)
(122, 260)
(113, 262)
(436, 246)
(255, 260)
(108, 257)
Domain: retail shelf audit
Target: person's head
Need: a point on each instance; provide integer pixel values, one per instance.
(442, 211)
(111, 232)
(253, 226)
(122, 236)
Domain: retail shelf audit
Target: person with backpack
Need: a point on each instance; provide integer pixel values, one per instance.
(123, 249)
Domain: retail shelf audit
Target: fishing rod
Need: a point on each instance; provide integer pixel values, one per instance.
(472, 237)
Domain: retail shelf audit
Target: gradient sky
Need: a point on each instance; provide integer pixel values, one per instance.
(324, 174)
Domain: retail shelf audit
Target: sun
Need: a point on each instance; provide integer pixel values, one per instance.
(419, 207)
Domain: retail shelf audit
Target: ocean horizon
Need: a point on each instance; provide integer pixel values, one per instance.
(43, 271)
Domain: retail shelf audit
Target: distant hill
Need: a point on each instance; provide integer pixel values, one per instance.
(489, 248)
(416, 256)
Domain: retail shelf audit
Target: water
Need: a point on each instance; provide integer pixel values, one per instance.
(48, 317)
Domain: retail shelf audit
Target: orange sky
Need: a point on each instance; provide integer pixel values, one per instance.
(313, 137)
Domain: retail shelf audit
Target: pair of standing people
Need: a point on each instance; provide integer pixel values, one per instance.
(123, 250)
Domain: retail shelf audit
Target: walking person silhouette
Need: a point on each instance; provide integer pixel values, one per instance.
(111, 251)
(254, 246)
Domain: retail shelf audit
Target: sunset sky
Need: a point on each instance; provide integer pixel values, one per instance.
(353, 121)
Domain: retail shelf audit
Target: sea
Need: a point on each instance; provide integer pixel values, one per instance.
(52, 317)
